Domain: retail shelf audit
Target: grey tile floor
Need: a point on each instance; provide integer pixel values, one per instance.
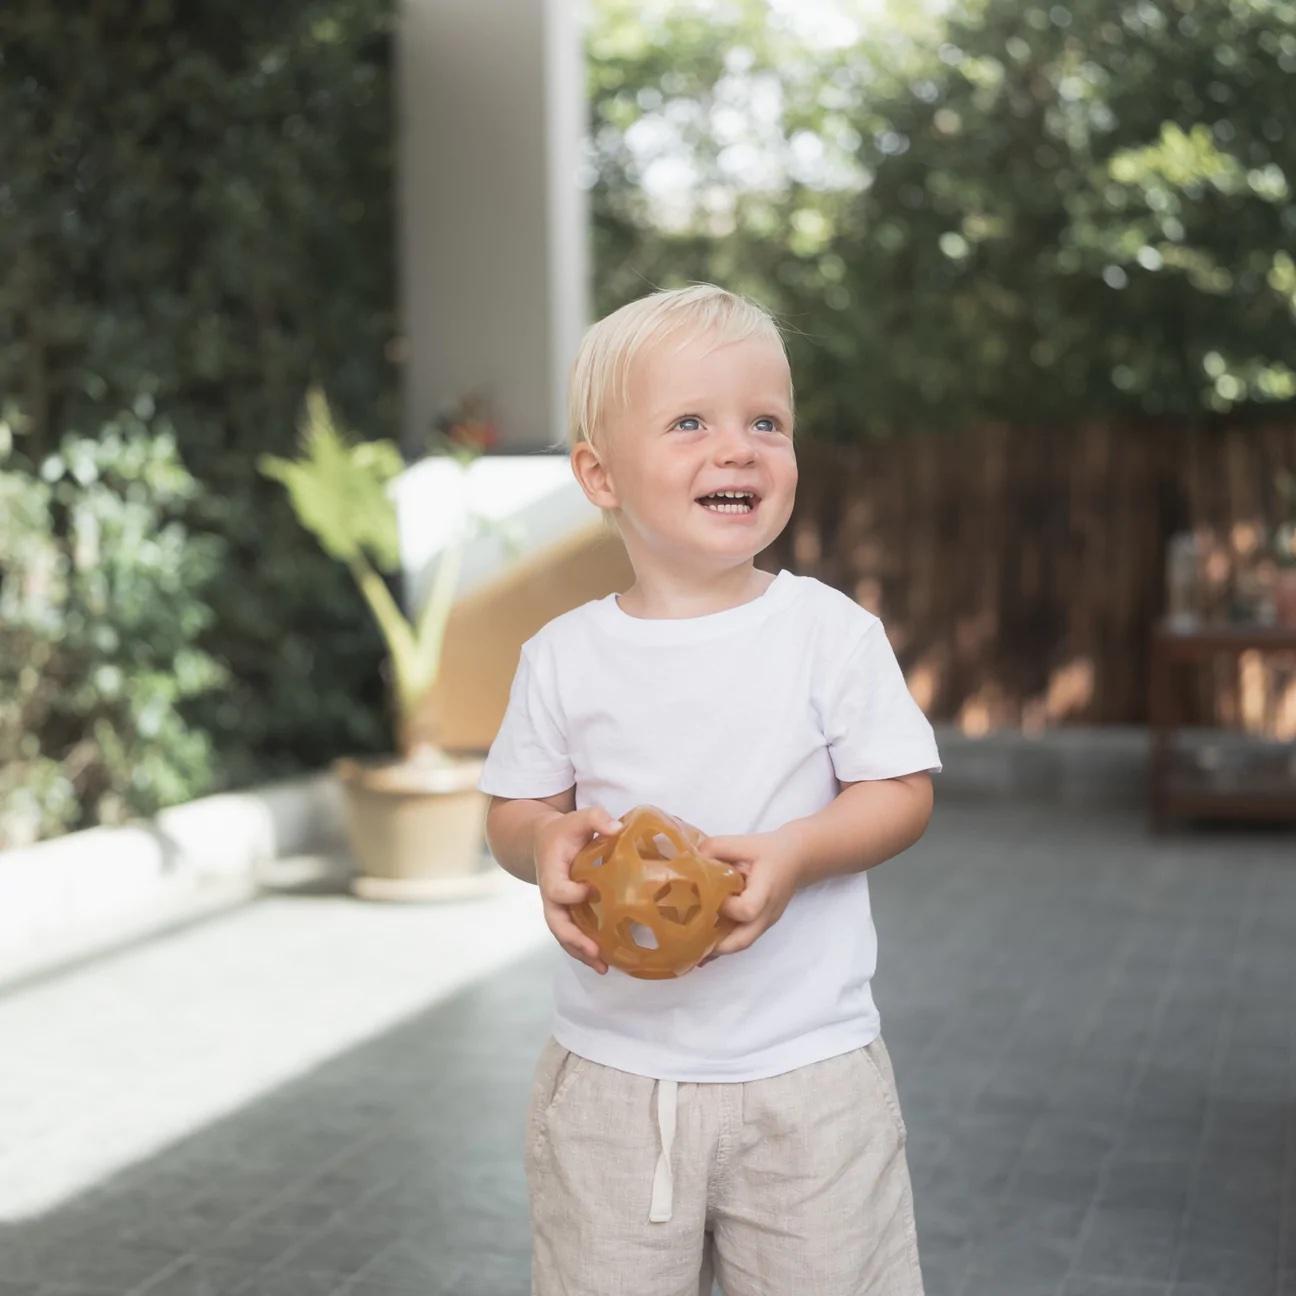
(1094, 1035)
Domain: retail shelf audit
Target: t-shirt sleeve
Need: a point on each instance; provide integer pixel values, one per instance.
(529, 755)
(874, 728)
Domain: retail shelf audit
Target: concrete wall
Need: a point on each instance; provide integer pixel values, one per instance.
(495, 295)
(494, 280)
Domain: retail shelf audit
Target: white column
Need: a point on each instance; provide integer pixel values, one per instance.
(493, 245)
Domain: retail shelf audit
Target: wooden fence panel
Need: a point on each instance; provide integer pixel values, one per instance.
(1019, 570)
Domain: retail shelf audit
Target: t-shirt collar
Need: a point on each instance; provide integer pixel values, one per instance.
(656, 630)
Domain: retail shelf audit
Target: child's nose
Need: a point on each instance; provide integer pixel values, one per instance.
(737, 441)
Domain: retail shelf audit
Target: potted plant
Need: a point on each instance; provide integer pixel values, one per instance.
(414, 820)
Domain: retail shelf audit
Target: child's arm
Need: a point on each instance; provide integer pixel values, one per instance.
(536, 840)
(867, 822)
(511, 825)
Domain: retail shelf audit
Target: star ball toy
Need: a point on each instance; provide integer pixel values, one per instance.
(654, 902)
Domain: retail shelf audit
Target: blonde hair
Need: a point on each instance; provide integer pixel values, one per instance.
(600, 372)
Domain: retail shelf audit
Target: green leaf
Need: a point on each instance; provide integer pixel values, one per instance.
(339, 489)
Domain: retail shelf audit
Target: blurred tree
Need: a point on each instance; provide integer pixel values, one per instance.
(1082, 210)
(1020, 211)
(196, 212)
(101, 615)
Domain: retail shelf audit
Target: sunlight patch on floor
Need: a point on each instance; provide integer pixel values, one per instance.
(109, 1063)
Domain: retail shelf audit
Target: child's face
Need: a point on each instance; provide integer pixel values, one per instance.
(702, 418)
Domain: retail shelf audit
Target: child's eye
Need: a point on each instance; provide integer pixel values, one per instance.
(773, 424)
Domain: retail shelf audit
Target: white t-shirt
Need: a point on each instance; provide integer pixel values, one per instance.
(736, 722)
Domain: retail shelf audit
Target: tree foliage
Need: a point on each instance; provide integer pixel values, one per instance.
(1033, 212)
(196, 213)
(102, 613)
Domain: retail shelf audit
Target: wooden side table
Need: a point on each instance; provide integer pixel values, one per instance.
(1264, 790)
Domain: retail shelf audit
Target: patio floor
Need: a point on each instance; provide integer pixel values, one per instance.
(1094, 1035)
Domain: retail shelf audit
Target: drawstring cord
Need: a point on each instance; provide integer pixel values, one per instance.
(663, 1185)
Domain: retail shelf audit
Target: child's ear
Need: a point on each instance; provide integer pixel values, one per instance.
(593, 475)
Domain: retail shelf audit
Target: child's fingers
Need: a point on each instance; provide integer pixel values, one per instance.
(562, 890)
(736, 941)
(741, 909)
(572, 939)
(596, 819)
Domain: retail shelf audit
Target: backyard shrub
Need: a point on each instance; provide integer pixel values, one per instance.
(196, 213)
(102, 613)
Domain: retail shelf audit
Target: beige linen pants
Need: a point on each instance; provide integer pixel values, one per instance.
(795, 1185)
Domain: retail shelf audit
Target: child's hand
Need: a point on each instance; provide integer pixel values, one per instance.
(772, 868)
(557, 843)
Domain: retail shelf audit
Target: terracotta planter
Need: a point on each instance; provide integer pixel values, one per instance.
(416, 833)
(1284, 596)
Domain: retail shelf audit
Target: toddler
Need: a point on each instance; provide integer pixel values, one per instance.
(740, 1122)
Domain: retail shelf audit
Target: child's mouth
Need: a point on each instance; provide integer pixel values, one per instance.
(730, 508)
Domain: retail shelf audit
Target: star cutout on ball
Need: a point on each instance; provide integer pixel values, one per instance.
(678, 901)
